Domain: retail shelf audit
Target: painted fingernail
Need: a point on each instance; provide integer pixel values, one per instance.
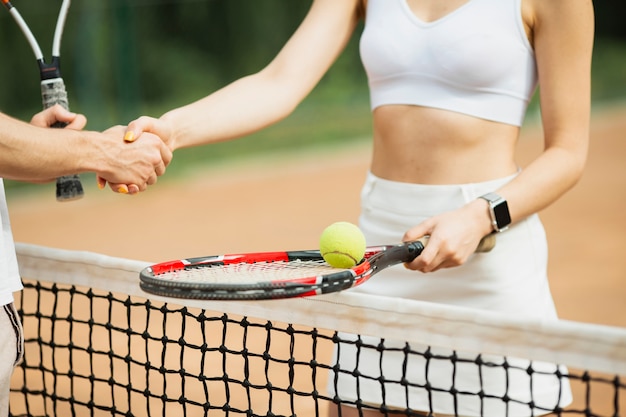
(122, 190)
(129, 136)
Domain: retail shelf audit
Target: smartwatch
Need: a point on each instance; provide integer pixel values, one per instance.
(499, 211)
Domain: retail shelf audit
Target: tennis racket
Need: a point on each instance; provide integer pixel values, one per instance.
(273, 275)
(52, 87)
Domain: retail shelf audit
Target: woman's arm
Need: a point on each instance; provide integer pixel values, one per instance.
(259, 100)
(562, 33)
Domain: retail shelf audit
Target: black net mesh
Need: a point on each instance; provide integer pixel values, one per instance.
(92, 353)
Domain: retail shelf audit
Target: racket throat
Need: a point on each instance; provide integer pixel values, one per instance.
(49, 71)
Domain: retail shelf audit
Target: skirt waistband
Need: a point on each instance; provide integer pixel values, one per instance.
(397, 195)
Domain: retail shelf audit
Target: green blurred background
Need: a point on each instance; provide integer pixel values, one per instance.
(125, 58)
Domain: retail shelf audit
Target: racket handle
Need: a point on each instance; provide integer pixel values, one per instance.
(486, 244)
(53, 92)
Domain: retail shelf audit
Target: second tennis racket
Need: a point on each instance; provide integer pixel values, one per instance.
(273, 275)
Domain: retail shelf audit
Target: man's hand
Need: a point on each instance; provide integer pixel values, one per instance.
(57, 113)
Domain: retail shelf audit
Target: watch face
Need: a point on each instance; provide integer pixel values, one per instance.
(501, 212)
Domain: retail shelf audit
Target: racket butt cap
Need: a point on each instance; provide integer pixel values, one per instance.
(487, 243)
(69, 188)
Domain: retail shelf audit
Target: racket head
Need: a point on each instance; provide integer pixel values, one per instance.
(58, 31)
(274, 275)
(266, 275)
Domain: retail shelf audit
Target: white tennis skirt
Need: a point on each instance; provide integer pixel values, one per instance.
(511, 279)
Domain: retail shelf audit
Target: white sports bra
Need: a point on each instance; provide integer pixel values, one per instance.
(476, 60)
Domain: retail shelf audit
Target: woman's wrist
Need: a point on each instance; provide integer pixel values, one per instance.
(481, 214)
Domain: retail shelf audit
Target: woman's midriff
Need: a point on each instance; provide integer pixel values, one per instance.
(432, 146)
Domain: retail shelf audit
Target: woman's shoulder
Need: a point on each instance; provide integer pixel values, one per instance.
(554, 10)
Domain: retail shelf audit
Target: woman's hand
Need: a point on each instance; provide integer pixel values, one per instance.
(454, 236)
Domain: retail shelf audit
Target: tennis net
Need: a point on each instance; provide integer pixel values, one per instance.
(96, 345)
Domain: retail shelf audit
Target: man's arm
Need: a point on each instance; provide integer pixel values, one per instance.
(33, 153)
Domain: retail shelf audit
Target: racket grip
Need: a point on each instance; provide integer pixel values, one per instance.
(486, 244)
(69, 187)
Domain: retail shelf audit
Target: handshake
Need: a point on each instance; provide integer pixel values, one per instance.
(127, 158)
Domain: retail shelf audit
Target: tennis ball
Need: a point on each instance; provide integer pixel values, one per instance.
(342, 245)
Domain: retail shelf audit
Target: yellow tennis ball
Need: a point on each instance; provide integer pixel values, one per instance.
(342, 245)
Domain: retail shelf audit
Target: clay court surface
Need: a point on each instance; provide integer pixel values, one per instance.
(284, 203)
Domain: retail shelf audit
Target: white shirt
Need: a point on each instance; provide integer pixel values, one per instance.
(10, 280)
(476, 60)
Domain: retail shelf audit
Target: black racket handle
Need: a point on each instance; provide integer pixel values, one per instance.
(408, 251)
(485, 245)
(411, 250)
(53, 92)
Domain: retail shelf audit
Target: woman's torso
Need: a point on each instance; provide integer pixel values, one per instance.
(459, 134)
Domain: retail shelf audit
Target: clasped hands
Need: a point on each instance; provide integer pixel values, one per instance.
(141, 133)
(128, 160)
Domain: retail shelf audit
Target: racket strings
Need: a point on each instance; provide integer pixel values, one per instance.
(245, 273)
